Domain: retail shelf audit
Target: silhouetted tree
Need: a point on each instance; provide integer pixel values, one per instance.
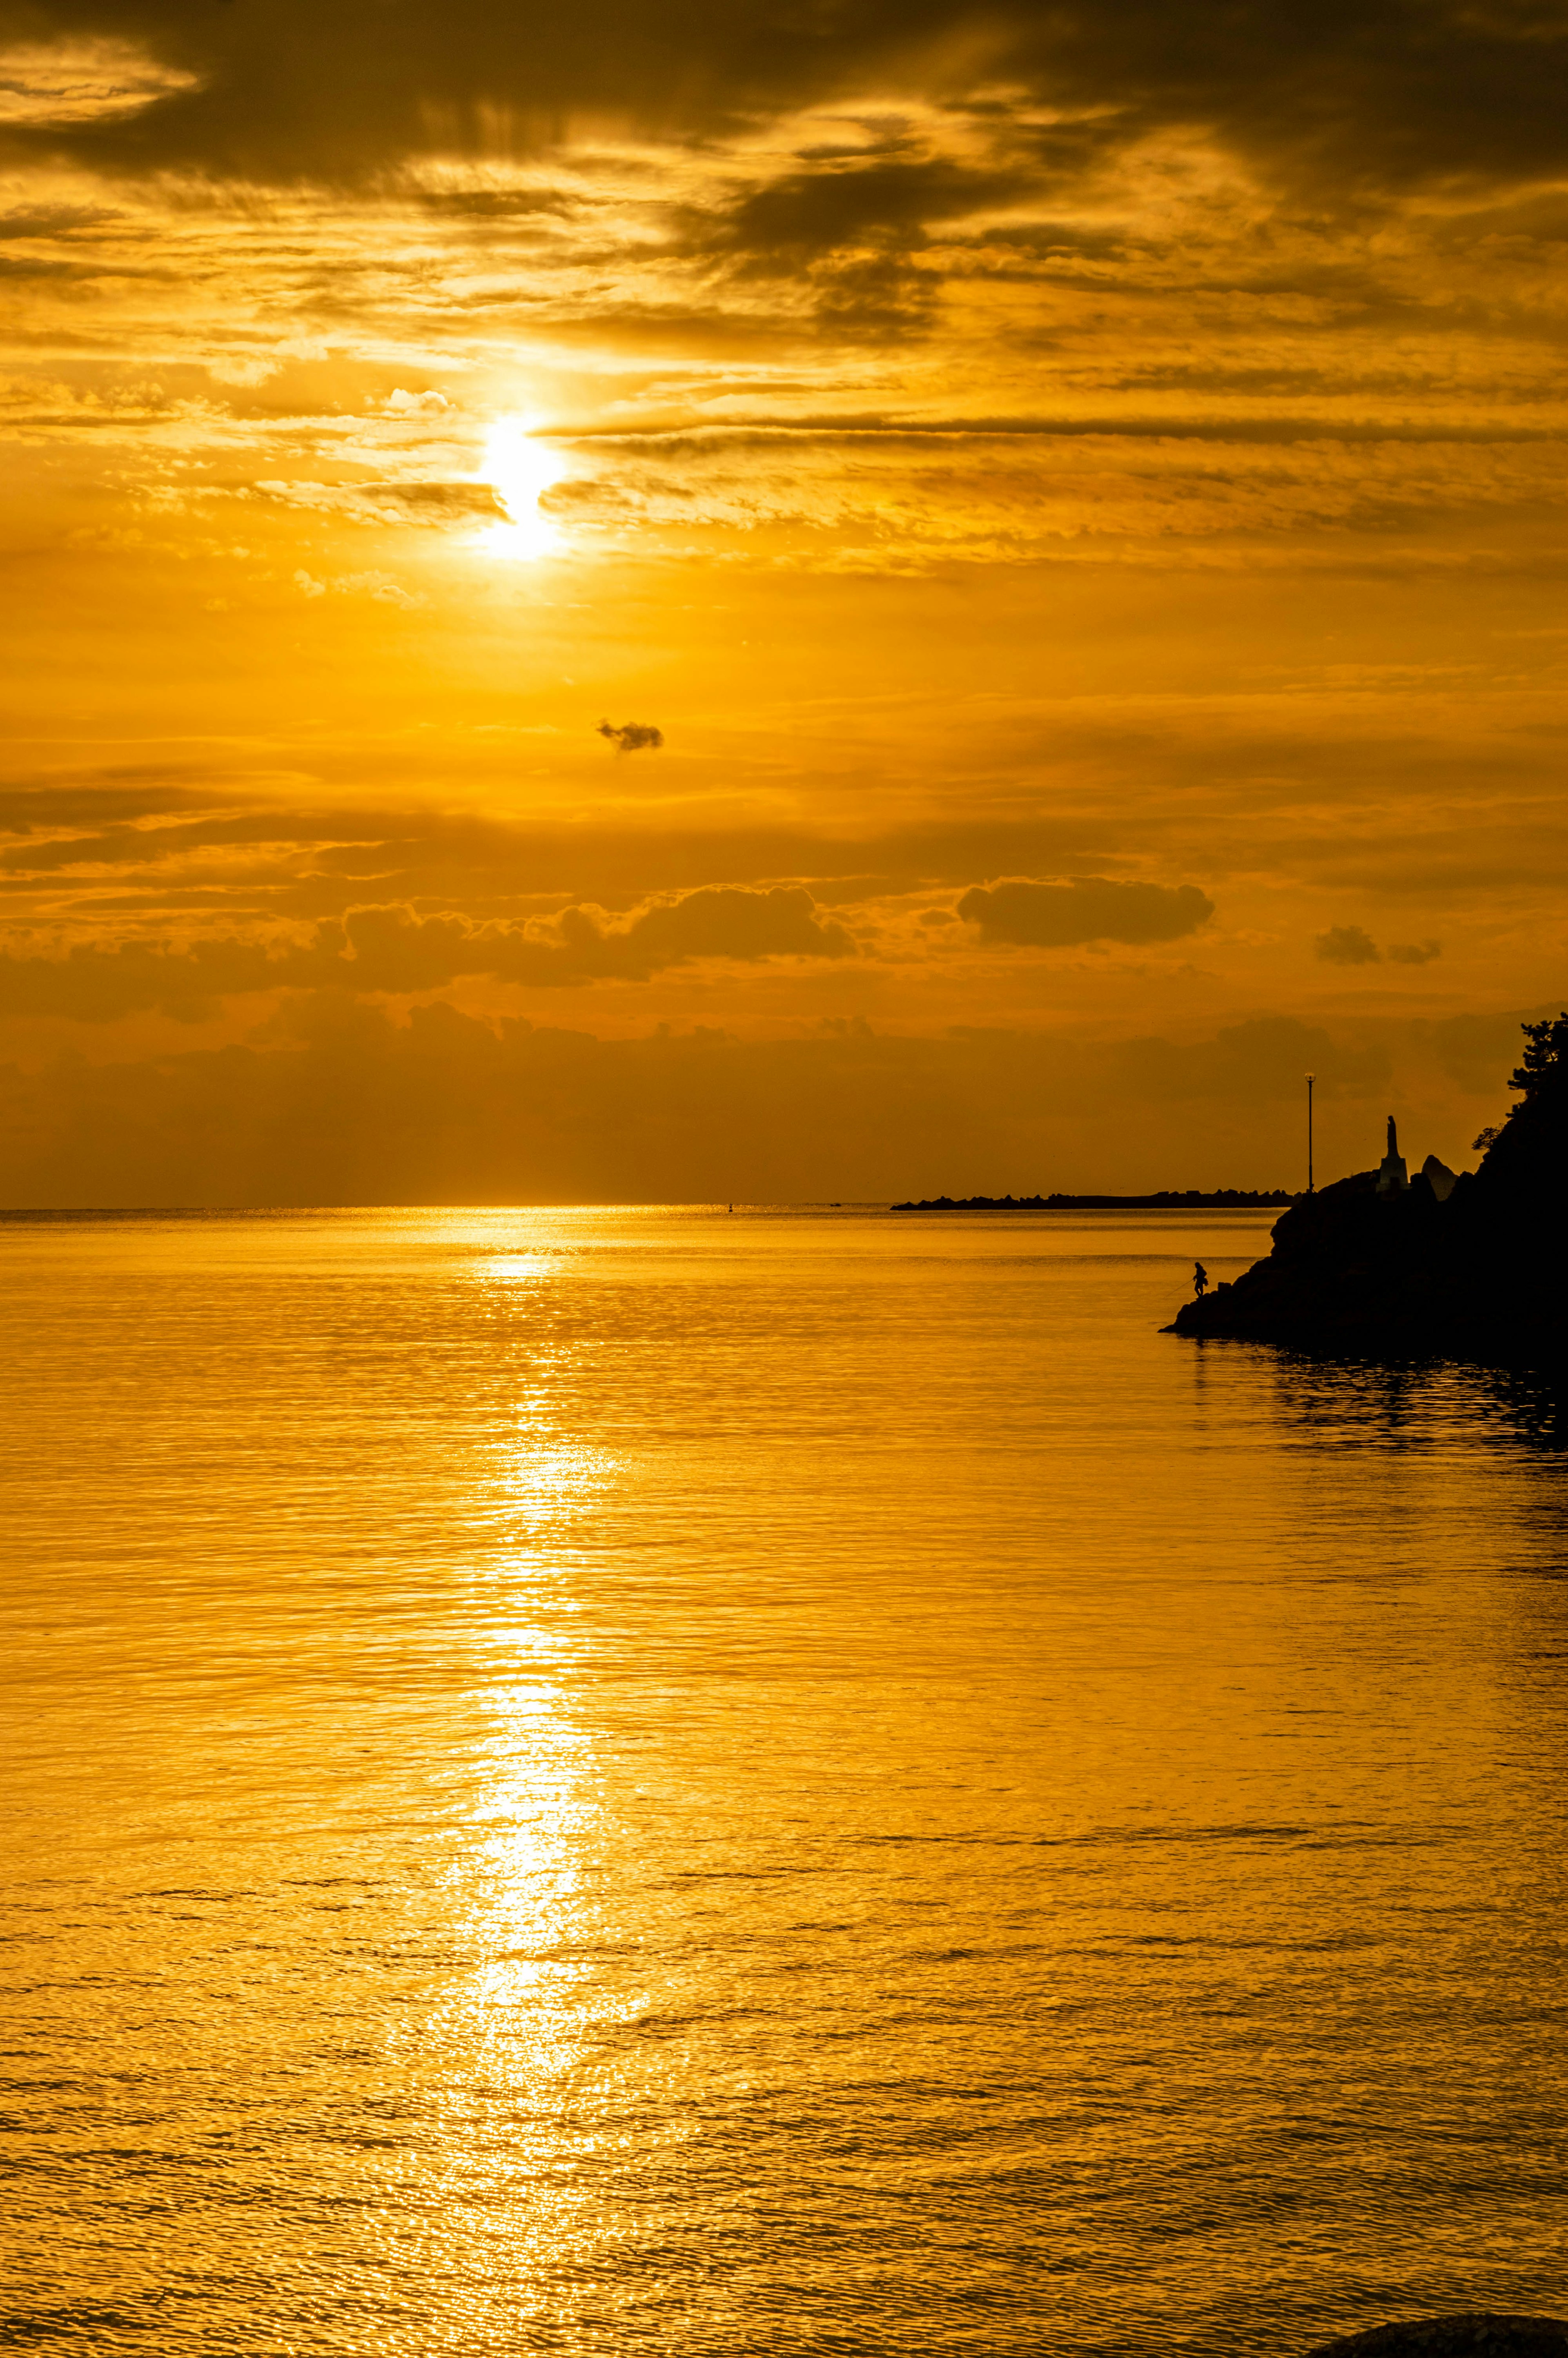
(1525, 1156)
(1540, 1071)
(1546, 1050)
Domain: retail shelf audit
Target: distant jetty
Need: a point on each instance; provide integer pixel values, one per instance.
(1169, 1199)
(1381, 1265)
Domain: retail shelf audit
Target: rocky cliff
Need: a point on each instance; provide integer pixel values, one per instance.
(1481, 1274)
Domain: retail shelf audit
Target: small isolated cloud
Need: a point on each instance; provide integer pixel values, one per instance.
(1083, 909)
(632, 736)
(1347, 945)
(403, 404)
(1415, 953)
(383, 587)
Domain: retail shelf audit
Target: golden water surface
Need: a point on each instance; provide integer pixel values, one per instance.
(599, 1781)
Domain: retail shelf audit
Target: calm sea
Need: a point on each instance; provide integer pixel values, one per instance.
(599, 1781)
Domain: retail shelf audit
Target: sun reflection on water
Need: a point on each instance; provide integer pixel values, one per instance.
(586, 1789)
(500, 2052)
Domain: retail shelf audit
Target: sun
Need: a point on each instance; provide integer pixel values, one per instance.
(519, 469)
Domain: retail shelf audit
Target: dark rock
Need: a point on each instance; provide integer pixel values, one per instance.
(1480, 1273)
(1478, 2335)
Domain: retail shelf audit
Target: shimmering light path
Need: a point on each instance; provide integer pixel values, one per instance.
(591, 1782)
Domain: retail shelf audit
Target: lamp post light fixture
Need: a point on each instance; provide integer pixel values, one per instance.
(1310, 1078)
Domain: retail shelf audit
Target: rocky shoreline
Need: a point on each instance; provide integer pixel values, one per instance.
(1376, 1265)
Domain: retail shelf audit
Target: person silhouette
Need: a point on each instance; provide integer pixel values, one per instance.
(1200, 1279)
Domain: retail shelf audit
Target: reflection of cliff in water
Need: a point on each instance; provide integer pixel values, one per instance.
(1462, 1470)
(1415, 1402)
(1529, 1406)
(1381, 1264)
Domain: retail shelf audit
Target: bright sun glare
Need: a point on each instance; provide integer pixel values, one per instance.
(519, 469)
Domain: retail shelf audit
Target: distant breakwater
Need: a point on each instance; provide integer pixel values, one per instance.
(1169, 1199)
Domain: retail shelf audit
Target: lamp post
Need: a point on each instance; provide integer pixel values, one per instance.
(1310, 1078)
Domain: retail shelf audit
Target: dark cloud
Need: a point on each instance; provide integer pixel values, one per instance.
(721, 924)
(130, 826)
(497, 204)
(435, 503)
(830, 430)
(388, 949)
(1087, 909)
(30, 805)
(849, 234)
(632, 736)
(839, 204)
(874, 297)
(11, 268)
(1350, 97)
(1415, 953)
(1347, 946)
(849, 231)
(137, 847)
(54, 221)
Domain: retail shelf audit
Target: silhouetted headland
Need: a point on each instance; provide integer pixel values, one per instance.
(1478, 2334)
(1169, 1199)
(1380, 1263)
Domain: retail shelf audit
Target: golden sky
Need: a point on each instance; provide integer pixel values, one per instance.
(818, 598)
